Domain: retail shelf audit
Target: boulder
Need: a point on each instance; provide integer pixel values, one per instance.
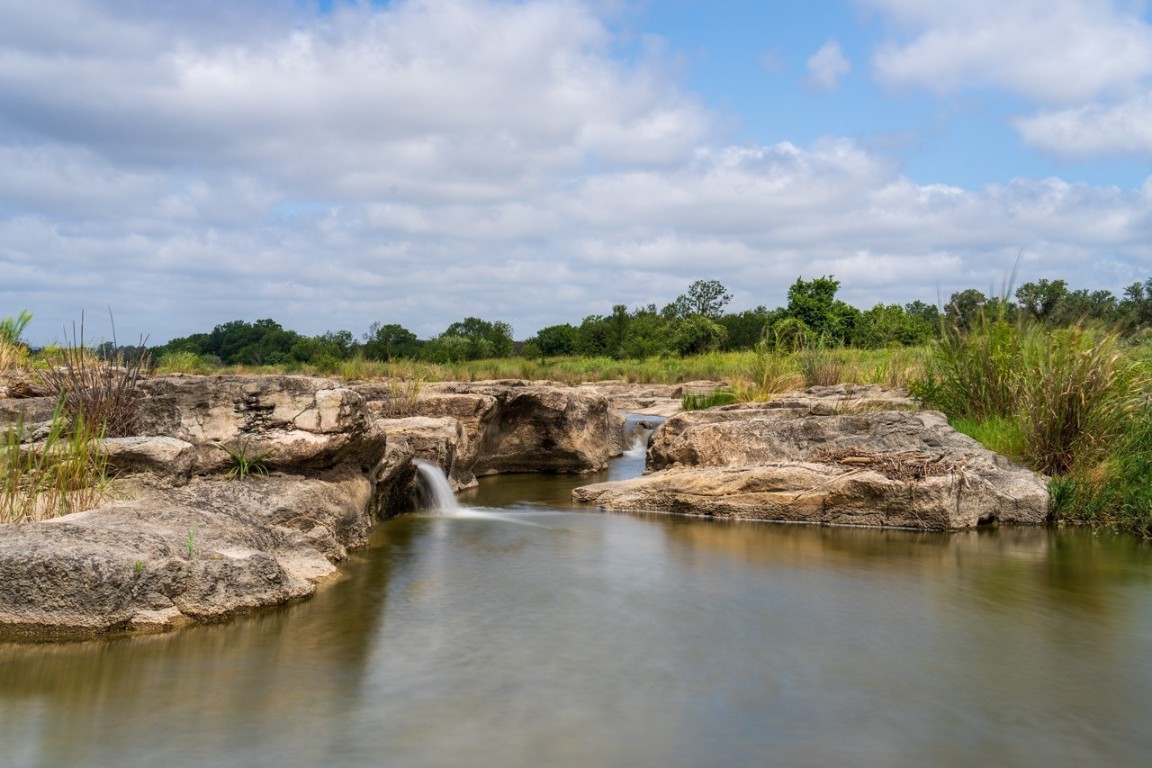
(198, 553)
(442, 441)
(297, 423)
(535, 427)
(506, 426)
(831, 456)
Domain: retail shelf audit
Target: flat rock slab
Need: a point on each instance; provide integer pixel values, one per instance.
(199, 553)
(829, 456)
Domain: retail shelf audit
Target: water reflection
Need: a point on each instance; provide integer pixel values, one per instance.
(593, 639)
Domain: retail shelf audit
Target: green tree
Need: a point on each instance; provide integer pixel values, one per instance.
(485, 338)
(389, 342)
(964, 308)
(814, 303)
(557, 340)
(704, 297)
(1039, 300)
(746, 329)
(697, 334)
(1136, 306)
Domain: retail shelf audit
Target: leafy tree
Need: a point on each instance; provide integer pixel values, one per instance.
(557, 340)
(697, 334)
(1136, 306)
(485, 338)
(1081, 304)
(705, 297)
(746, 329)
(964, 308)
(649, 334)
(391, 341)
(1039, 300)
(814, 303)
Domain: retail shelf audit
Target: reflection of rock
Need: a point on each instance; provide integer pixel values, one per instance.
(827, 456)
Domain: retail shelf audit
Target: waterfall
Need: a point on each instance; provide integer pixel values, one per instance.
(437, 490)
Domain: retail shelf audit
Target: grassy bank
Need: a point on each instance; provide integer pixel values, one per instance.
(1072, 403)
(752, 371)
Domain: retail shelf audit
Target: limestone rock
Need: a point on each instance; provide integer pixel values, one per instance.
(536, 427)
(442, 441)
(198, 553)
(507, 426)
(303, 424)
(827, 456)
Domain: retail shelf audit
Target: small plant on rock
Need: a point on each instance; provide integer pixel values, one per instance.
(244, 462)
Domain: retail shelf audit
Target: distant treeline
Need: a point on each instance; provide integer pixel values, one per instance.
(694, 323)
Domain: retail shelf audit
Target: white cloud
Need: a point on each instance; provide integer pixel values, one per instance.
(1052, 51)
(425, 161)
(827, 66)
(1096, 129)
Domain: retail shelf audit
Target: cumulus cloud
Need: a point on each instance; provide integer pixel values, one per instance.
(1052, 51)
(1096, 129)
(190, 163)
(827, 66)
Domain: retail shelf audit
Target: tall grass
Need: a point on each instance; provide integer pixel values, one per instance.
(13, 352)
(100, 391)
(1066, 402)
(66, 472)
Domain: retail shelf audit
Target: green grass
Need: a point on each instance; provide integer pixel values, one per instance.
(244, 461)
(65, 472)
(1070, 403)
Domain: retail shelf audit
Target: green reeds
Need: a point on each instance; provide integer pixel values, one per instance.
(65, 472)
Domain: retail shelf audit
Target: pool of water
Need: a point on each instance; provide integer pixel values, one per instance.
(529, 633)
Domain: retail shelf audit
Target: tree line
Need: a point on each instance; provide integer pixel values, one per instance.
(695, 322)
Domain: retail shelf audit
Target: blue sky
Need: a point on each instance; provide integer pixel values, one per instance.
(418, 161)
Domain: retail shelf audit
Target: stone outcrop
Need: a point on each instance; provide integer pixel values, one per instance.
(831, 455)
(661, 400)
(299, 423)
(198, 553)
(185, 544)
(504, 426)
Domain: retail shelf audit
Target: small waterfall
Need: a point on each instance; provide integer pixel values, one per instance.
(639, 443)
(437, 490)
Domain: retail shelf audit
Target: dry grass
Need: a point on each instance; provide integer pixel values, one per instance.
(100, 391)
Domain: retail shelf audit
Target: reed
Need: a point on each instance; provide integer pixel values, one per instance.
(100, 391)
(65, 472)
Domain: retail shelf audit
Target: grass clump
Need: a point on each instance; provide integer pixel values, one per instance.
(65, 472)
(1066, 402)
(183, 362)
(98, 390)
(13, 351)
(693, 401)
(244, 461)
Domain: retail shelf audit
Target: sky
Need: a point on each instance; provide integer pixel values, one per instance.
(177, 164)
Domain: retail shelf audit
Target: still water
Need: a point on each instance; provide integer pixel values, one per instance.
(527, 633)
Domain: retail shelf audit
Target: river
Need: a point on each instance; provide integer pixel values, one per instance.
(528, 633)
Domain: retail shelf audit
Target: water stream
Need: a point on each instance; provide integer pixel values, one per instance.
(577, 638)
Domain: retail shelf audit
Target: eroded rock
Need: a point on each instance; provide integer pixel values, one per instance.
(832, 456)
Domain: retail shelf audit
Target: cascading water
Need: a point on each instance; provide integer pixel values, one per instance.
(438, 492)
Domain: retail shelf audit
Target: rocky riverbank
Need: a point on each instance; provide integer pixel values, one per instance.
(183, 543)
(830, 455)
